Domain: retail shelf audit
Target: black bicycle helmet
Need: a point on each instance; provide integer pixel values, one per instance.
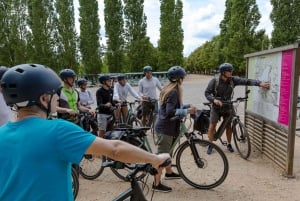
(121, 77)
(65, 73)
(175, 73)
(225, 67)
(147, 69)
(103, 78)
(81, 81)
(3, 69)
(27, 82)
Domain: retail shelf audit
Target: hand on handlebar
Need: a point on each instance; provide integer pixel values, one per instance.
(218, 102)
(71, 112)
(192, 110)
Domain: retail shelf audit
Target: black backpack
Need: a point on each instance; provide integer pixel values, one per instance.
(201, 121)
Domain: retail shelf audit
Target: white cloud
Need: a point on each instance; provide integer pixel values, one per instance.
(201, 19)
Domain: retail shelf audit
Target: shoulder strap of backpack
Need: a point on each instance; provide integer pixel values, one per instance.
(216, 84)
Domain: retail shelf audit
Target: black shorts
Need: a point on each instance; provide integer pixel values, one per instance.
(217, 112)
(148, 107)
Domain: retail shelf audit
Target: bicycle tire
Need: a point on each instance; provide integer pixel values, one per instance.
(91, 166)
(121, 173)
(214, 170)
(241, 139)
(75, 183)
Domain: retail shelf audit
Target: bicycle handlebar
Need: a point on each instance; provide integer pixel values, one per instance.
(147, 167)
(230, 102)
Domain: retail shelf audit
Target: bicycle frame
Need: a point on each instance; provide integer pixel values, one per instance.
(130, 116)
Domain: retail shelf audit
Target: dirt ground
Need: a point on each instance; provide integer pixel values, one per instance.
(254, 179)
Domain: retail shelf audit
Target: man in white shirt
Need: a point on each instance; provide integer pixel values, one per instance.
(147, 89)
(121, 90)
(5, 111)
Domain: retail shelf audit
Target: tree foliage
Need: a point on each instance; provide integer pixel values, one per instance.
(90, 36)
(66, 38)
(114, 27)
(285, 17)
(139, 49)
(170, 45)
(238, 36)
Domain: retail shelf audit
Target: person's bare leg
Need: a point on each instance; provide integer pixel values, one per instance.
(228, 133)
(211, 131)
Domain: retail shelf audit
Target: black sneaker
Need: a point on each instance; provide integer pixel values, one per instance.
(229, 147)
(161, 188)
(173, 175)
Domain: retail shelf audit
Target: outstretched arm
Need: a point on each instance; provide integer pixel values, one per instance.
(125, 152)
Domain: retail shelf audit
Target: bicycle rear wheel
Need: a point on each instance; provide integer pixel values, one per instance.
(75, 183)
(91, 166)
(208, 171)
(241, 139)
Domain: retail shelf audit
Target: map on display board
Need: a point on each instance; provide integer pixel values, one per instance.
(275, 68)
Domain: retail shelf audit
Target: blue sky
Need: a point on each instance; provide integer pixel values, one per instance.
(200, 22)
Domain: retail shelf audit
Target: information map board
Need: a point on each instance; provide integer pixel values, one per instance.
(275, 68)
(270, 115)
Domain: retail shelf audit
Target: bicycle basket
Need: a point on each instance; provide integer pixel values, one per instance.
(201, 121)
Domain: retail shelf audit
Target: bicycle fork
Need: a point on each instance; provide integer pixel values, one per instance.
(198, 160)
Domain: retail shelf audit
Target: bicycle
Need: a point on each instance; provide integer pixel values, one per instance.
(131, 118)
(206, 171)
(239, 131)
(136, 136)
(93, 166)
(135, 192)
(195, 167)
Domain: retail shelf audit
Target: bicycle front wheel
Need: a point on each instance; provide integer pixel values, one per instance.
(241, 139)
(203, 171)
(91, 166)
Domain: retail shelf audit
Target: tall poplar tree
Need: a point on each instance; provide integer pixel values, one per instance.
(13, 31)
(113, 16)
(285, 17)
(90, 36)
(139, 49)
(67, 36)
(41, 21)
(170, 48)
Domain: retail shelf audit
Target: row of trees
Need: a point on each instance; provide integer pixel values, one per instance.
(43, 31)
(239, 35)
